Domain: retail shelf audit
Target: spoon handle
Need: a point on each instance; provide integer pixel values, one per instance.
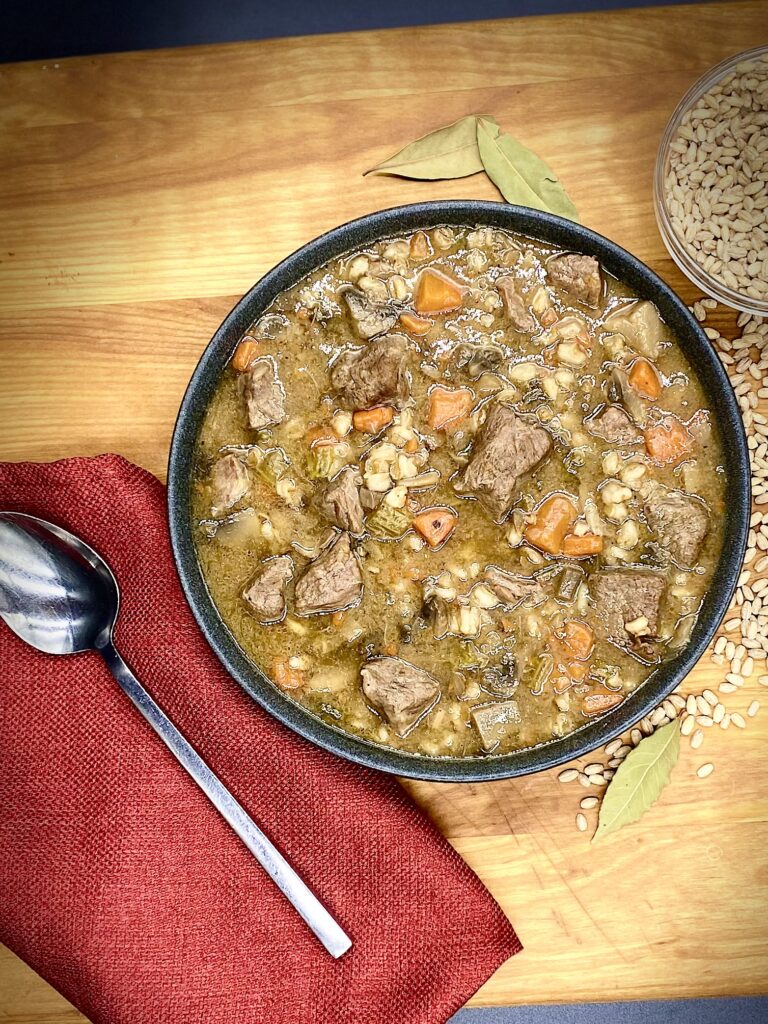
(277, 867)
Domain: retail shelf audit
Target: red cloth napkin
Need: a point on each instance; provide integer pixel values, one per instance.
(120, 883)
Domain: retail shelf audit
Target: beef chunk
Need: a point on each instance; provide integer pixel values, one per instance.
(373, 375)
(578, 275)
(520, 318)
(680, 522)
(399, 691)
(264, 394)
(265, 594)
(332, 582)
(506, 448)
(368, 318)
(614, 425)
(512, 587)
(624, 596)
(501, 680)
(229, 483)
(369, 499)
(341, 500)
(496, 722)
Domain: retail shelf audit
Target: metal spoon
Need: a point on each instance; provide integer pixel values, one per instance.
(61, 597)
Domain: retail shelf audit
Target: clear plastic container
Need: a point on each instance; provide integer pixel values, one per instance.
(712, 286)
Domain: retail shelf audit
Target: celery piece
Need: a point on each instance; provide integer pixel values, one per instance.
(272, 466)
(467, 655)
(387, 521)
(570, 578)
(539, 671)
(322, 462)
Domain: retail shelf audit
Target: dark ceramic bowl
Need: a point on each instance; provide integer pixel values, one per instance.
(357, 234)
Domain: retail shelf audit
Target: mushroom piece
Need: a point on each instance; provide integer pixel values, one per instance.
(621, 391)
(368, 317)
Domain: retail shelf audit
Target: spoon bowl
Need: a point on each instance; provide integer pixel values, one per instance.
(56, 593)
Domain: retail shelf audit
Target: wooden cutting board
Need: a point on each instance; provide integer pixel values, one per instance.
(141, 194)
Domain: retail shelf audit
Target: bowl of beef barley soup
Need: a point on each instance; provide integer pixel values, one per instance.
(459, 491)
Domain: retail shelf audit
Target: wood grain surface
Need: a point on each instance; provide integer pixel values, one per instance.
(141, 194)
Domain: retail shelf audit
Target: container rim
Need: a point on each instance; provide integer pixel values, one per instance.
(710, 285)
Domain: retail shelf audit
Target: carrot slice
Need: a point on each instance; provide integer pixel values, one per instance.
(577, 670)
(668, 441)
(244, 355)
(415, 325)
(436, 292)
(372, 421)
(644, 378)
(286, 677)
(597, 703)
(553, 520)
(577, 547)
(419, 247)
(447, 405)
(569, 668)
(578, 638)
(435, 525)
(320, 436)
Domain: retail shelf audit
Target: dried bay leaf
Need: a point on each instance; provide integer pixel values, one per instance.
(476, 143)
(520, 175)
(500, 168)
(638, 782)
(449, 152)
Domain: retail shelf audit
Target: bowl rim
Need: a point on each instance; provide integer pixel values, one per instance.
(710, 285)
(365, 230)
